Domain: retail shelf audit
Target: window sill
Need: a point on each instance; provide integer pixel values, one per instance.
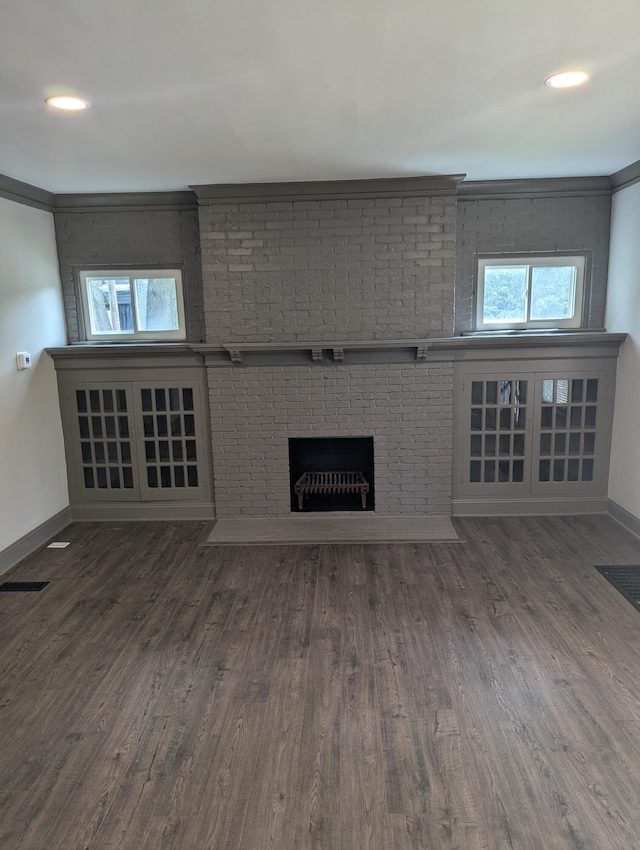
(533, 332)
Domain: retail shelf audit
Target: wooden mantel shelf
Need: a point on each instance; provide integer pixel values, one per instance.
(473, 346)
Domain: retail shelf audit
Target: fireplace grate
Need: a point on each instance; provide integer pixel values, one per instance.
(21, 586)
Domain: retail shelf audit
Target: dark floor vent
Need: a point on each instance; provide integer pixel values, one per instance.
(9, 586)
(625, 579)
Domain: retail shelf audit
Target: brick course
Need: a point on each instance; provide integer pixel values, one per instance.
(329, 270)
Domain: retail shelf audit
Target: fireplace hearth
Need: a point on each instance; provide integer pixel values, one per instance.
(331, 474)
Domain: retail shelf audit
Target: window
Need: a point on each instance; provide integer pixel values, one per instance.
(530, 292)
(142, 304)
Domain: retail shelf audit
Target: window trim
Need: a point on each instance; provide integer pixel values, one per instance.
(579, 260)
(132, 272)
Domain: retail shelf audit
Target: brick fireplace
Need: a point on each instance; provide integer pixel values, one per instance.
(285, 279)
(316, 310)
(407, 407)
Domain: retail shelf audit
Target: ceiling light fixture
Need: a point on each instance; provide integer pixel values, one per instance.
(567, 79)
(68, 102)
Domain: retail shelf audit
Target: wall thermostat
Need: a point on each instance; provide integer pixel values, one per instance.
(23, 359)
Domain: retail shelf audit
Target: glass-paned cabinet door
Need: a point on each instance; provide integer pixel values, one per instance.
(573, 413)
(100, 430)
(496, 438)
(171, 433)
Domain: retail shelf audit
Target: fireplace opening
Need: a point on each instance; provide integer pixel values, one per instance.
(331, 474)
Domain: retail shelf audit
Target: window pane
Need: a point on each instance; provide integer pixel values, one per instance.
(81, 401)
(505, 392)
(156, 304)
(552, 292)
(109, 305)
(492, 392)
(573, 470)
(505, 294)
(576, 389)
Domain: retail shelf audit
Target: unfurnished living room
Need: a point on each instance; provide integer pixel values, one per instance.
(320, 380)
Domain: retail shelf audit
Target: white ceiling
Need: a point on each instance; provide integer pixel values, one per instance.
(239, 91)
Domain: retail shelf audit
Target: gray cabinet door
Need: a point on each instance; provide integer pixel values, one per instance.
(539, 434)
(136, 440)
(572, 427)
(171, 440)
(495, 433)
(100, 438)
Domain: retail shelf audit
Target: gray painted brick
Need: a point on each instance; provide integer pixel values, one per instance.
(393, 402)
(320, 282)
(531, 225)
(137, 238)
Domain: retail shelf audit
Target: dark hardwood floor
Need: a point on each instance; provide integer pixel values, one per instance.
(160, 693)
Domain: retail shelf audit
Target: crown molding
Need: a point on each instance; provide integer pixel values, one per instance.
(25, 193)
(626, 176)
(546, 187)
(327, 190)
(124, 201)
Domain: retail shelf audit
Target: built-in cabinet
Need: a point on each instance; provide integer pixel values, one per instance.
(532, 421)
(526, 438)
(138, 445)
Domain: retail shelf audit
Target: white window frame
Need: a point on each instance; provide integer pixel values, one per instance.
(133, 274)
(575, 321)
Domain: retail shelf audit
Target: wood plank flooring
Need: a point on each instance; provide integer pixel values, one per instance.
(480, 695)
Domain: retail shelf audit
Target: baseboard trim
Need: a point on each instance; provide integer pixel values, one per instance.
(31, 541)
(139, 512)
(528, 507)
(630, 521)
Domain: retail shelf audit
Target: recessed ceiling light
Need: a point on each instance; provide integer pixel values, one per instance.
(64, 101)
(567, 79)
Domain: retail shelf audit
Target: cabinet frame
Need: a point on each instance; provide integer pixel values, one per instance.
(532, 495)
(161, 502)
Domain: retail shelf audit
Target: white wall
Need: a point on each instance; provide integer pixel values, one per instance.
(33, 483)
(623, 314)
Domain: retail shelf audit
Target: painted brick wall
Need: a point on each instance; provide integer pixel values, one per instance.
(407, 408)
(136, 237)
(329, 270)
(532, 224)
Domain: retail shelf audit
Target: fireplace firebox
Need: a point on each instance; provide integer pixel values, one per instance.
(350, 487)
